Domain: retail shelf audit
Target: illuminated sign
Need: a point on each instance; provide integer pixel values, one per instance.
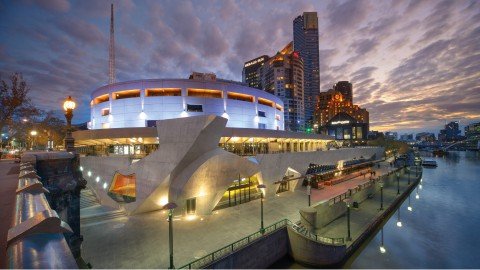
(341, 122)
(259, 60)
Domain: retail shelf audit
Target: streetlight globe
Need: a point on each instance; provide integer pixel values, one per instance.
(417, 196)
(399, 224)
(382, 249)
(410, 208)
(33, 133)
(69, 104)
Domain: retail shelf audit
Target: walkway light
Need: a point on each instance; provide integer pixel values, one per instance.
(170, 206)
(309, 189)
(348, 202)
(261, 187)
(381, 195)
(69, 105)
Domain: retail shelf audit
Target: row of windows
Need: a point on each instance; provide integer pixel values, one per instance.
(191, 92)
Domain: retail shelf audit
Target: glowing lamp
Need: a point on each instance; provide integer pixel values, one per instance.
(69, 104)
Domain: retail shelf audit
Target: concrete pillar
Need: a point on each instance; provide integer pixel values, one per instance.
(308, 217)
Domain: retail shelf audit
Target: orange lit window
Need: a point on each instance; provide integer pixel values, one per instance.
(101, 99)
(123, 188)
(207, 93)
(105, 112)
(161, 92)
(242, 97)
(127, 94)
(265, 102)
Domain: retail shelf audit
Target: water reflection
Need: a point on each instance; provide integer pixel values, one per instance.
(443, 230)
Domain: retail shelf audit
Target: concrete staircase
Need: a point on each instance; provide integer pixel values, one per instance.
(91, 211)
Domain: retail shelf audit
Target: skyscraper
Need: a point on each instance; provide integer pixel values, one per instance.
(305, 41)
(345, 88)
(282, 75)
(251, 71)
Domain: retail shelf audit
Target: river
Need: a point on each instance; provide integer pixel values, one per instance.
(443, 228)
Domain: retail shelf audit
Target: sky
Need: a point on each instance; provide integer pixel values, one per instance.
(413, 64)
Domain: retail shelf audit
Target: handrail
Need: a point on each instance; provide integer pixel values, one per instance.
(229, 249)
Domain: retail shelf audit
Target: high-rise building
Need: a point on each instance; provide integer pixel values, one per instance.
(305, 41)
(345, 88)
(251, 73)
(451, 132)
(283, 76)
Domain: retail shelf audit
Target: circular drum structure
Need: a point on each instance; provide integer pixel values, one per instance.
(140, 103)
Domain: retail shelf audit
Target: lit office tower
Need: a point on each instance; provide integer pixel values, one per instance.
(345, 88)
(305, 41)
(251, 73)
(282, 75)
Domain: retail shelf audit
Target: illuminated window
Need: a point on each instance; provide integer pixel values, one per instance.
(162, 92)
(265, 102)
(127, 94)
(100, 99)
(105, 112)
(105, 125)
(238, 96)
(123, 188)
(194, 108)
(207, 93)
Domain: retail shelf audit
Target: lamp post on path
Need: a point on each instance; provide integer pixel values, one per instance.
(398, 183)
(261, 187)
(170, 206)
(348, 202)
(381, 195)
(309, 189)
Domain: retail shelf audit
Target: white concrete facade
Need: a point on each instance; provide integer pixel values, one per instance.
(189, 164)
(148, 102)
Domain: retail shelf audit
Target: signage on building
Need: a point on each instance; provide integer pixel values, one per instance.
(259, 60)
(341, 122)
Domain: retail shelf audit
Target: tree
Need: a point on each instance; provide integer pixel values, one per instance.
(15, 105)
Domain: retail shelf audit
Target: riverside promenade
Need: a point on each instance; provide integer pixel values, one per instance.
(141, 241)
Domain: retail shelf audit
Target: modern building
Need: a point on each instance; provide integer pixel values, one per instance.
(450, 133)
(282, 76)
(407, 137)
(374, 134)
(346, 89)
(389, 135)
(140, 103)
(339, 117)
(251, 73)
(305, 42)
(472, 134)
(425, 137)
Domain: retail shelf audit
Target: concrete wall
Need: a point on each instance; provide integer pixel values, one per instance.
(306, 251)
(259, 254)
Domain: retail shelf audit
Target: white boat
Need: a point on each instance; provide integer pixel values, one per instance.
(429, 163)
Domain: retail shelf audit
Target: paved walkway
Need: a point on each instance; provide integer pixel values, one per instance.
(8, 185)
(141, 241)
(361, 217)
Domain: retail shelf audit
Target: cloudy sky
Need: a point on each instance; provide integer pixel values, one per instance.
(413, 64)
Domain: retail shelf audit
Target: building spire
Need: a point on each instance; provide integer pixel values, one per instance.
(111, 52)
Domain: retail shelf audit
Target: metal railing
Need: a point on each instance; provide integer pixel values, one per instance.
(315, 237)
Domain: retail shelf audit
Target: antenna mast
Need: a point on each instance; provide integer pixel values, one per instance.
(111, 52)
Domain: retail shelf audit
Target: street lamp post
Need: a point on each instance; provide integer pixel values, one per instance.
(33, 133)
(381, 195)
(398, 183)
(309, 189)
(170, 206)
(348, 203)
(261, 187)
(69, 106)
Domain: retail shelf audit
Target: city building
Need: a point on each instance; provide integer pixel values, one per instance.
(389, 135)
(373, 134)
(472, 130)
(425, 137)
(305, 42)
(406, 137)
(344, 87)
(251, 73)
(339, 117)
(282, 76)
(450, 133)
(140, 103)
